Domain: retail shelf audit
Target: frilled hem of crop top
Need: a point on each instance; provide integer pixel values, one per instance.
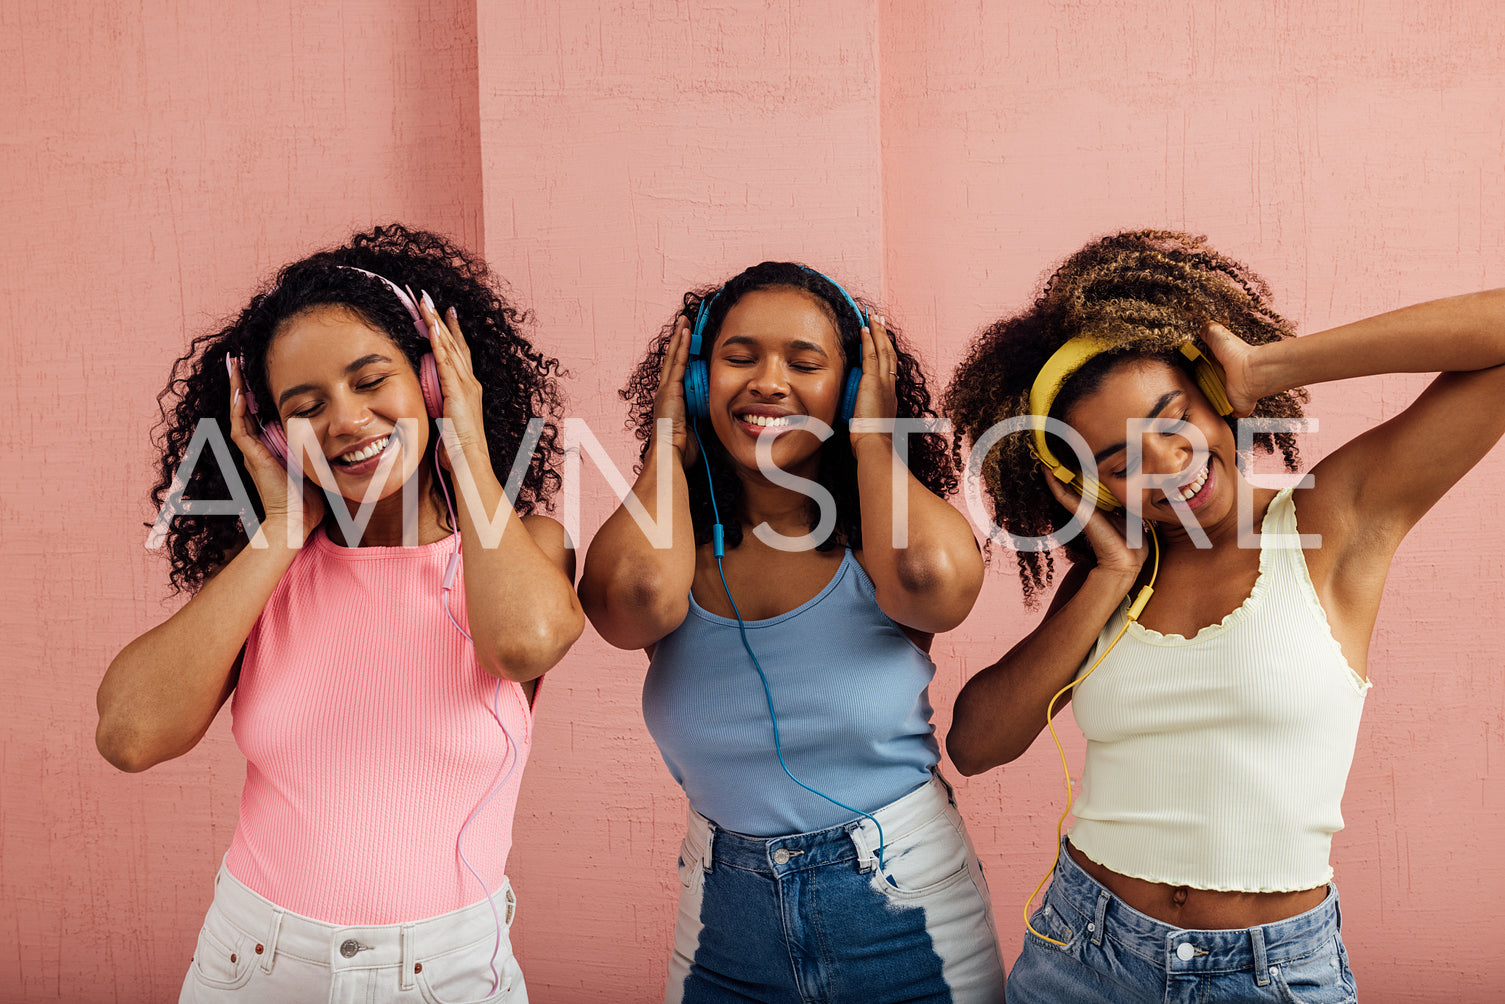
(1244, 610)
(849, 565)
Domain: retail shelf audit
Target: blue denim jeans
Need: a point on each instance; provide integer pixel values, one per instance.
(1117, 955)
(810, 917)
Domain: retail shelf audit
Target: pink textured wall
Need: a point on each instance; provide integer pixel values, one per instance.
(159, 158)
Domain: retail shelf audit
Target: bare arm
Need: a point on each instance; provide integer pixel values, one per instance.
(1383, 481)
(162, 691)
(930, 583)
(633, 592)
(519, 587)
(1001, 710)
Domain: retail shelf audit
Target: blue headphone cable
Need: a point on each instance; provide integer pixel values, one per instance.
(719, 545)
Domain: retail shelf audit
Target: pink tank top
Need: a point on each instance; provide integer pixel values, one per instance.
(368, 730)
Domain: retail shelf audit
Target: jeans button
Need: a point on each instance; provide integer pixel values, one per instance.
(350, 947)
(781, 857)
(1185, 951)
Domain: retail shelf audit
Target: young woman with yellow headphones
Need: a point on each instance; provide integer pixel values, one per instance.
(1221, 711)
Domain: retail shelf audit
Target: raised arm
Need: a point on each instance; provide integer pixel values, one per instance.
(162, 691)
(635, 593)
(519, 587)
(1383, 481)
(930, 583)
(1001, 709)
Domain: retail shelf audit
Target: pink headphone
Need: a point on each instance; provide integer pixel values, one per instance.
(275, 439)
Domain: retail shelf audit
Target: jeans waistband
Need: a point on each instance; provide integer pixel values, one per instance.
(356, 946)
(1090, 909)
(855, 840)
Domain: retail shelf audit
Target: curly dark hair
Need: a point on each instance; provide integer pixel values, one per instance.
(1145, 291)
(519, 382)
(933, 459)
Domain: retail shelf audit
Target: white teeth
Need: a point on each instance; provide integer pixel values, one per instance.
(767, 421)
(371, 450)
(1196, 486)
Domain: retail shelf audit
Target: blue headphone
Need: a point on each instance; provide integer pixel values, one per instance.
(697, 373)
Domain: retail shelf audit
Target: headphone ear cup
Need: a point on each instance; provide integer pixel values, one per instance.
(697, 389)
(849, 395)
(275, 440)
(428, 379)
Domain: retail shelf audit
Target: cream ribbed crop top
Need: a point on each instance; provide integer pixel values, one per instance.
(1219, 761)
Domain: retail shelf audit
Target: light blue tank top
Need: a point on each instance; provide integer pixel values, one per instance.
(852, 694)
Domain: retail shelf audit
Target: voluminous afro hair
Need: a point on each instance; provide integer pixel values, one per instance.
(518, 382)
(1147, 292)
(933, 460)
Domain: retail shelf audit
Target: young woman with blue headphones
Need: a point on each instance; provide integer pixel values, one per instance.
(383, 688)
(1218, 676)
(787, 634)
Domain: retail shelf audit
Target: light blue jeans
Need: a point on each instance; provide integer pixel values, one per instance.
(252, 950)
(810, 917)
(1116, 955)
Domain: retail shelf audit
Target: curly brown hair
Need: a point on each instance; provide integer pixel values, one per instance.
(933, 459)
(1144, 291)
(519, 382)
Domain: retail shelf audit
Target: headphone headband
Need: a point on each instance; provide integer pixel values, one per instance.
(404, 294)
(703, 309)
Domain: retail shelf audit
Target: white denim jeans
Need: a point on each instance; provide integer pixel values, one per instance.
(250, 949)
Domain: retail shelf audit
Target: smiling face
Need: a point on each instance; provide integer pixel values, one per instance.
(776, 360)
(1141, 389)
(352, 384)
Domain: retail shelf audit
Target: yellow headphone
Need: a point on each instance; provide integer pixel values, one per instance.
(1060, 367)
(1066, 360)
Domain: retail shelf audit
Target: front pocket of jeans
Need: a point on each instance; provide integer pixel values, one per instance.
(222, 959)
(1046, 924)
(932, 858)
(1316, 979)
(464, 975)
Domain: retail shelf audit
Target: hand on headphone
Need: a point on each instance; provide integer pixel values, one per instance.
(1236, 357)
(1104, 533)
(877, 394)
(669, 402)
(267, 472)
(457, 378)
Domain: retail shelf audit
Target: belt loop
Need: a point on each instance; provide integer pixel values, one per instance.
(1261, 961)
(1098, 915)
(707, 854)
(866, 860)
(406, 979)
(950, 791)
(270, 948)
(511, 898)
(1337, 908)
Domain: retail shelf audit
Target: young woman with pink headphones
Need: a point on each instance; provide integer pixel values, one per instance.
(382, 685)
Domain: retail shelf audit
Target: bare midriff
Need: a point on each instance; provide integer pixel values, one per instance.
(1200, 909)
